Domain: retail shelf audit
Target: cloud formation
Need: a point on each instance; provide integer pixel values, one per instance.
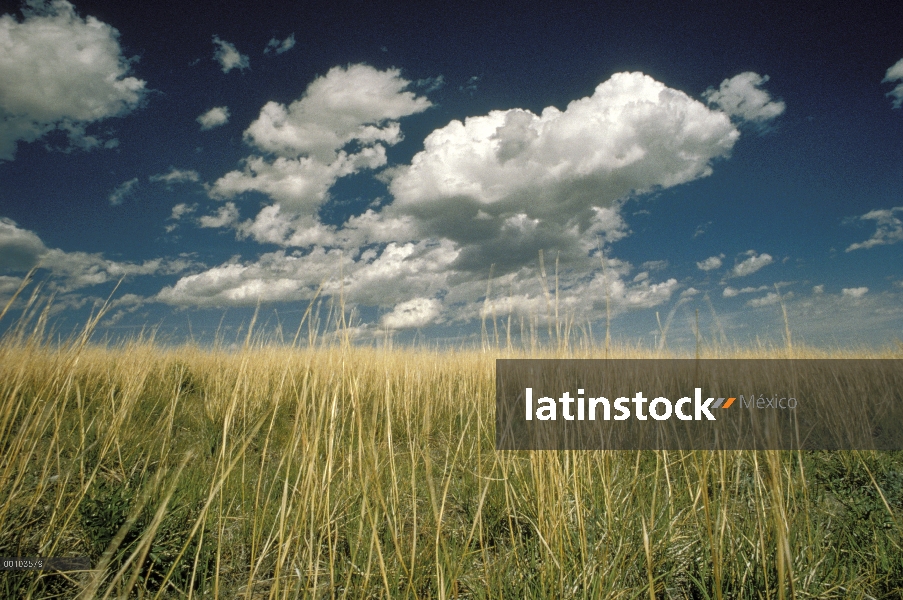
(511, 182)
(490, 190)
(857, 292)
(417, 312)
(741, 97)
(750, 265)
(278, 47)
(354, 103)
(59, 71)
(174, 176)
(216, 116)
(888, 230)
(710, 264)
(123, 191)
(895, 73)
(21, 249)
(228, 56)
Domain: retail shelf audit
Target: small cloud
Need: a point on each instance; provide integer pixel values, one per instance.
(742, 97)
(470, 86)
(730, 292)
(700, 229)
(751, 264)
(278, 47)
(818, 289)
(224, 217)
(413, 313)
(216, 116)
(767, 300)
(430, 84)
(228, 56)
(711, 263)
(123, 191)
(895, 73)
(655, 265)
(174, 176)
(858, 292)
(180, 210)
(889, 229)
(689, 293)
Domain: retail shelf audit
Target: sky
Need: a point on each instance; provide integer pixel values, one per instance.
(432, 167)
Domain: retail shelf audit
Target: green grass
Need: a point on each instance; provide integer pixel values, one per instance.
(348, 472)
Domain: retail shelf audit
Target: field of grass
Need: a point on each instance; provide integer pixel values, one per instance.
(347, 472)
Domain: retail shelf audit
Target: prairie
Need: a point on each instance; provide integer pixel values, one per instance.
(339, 471)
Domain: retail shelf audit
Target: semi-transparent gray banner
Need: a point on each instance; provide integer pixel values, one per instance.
(635, 404)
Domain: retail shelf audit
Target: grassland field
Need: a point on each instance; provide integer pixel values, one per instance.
(339, 471)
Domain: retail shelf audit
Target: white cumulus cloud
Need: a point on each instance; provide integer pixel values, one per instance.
(350, 103)
(216, 116)
(857, 292)
(751, 264)
(228, 56)
(558, 168)
(413, 313)
(59, 71)
(710, 264)
(742, 97)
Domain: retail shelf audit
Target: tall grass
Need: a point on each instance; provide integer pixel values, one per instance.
(335, 471)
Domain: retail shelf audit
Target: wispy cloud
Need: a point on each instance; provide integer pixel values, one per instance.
(889, 229)
(123, 191)
(278, 47)
(228, 56)
(895, 73)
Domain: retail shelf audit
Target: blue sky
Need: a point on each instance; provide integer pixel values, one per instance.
(218, 156)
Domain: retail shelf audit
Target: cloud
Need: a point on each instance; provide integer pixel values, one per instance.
(174, 176)
(491, 190)
(228, 56)
(430, 84)
(225, 216)
(179, 211)
(357, 104)
(123, 191)
(417, 312)
(895, 73)
(742, 97)
(858, 292)
(20, 250)
(275, 45)
(889, 229)
(730, 292)
(818, 289)
(710, 264)
(751, 264)
(354, 103)
(767, 300)
(59, 71)
(476, 180)
(216, 116)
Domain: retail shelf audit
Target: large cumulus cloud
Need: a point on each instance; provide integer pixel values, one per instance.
(60, 71)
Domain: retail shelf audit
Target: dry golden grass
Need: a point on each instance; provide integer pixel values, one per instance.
(348, 472)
